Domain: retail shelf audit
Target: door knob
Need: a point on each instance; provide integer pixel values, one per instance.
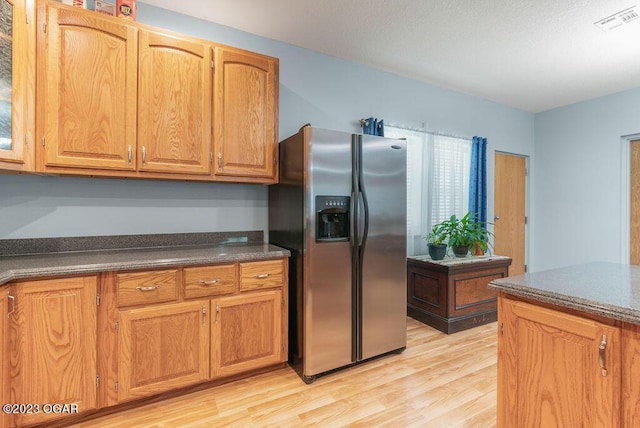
(496, 218)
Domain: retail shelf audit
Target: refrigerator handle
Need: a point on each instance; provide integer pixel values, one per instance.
(355, 197)
(365, 204)
(360, 204)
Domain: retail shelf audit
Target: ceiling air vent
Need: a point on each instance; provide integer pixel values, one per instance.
(618, 19)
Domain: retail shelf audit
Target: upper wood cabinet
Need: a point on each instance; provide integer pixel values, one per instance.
(118, 98)
(245, 114)
(556, 369)
(52, 346)
(17, 84)
(174, 114)
(91, 90)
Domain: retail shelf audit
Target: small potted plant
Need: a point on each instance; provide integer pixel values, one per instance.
(466, 233)
(436, 242)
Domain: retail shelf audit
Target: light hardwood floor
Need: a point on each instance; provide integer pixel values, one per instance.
(438, 381)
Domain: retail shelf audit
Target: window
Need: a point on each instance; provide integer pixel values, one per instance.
(438, 169)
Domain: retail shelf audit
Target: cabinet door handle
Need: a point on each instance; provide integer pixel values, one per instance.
(209, 281)
(220, 161)
(149, 287)
(601, 352)
(129, 155)
(144, 155)
(262, 275)
(217, 311)
(13, 304)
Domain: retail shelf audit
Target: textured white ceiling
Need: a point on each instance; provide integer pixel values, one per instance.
(530, 54)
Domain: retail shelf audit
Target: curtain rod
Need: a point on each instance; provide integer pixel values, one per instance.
(441, 134)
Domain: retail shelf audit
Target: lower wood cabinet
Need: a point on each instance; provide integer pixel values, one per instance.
(247, 332)
(557, 369)
(162, 347)
(51, 347)
(90, 342)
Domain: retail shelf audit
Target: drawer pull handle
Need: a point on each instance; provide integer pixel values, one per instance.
(149, 287)
(209, 282)
(262, 276)
(602, 348)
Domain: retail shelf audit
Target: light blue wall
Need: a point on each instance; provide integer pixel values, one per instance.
(314, 88)
(579, 200)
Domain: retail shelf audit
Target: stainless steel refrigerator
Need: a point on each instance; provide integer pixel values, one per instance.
(340, 208)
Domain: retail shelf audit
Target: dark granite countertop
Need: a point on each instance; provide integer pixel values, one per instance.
(455, 261)
(608, 289)
(151, 252)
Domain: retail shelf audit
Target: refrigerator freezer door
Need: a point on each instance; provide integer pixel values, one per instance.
(383, 294)
(328, 341)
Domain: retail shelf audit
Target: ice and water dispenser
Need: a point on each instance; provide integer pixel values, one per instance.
(332, 218)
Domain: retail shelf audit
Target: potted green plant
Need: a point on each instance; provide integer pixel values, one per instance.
(436, 242)
(465, 233)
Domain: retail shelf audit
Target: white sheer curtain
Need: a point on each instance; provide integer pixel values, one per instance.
(438, 170)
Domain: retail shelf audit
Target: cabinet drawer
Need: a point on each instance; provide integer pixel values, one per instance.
(136, 288)
(209, 280)
(258, 275)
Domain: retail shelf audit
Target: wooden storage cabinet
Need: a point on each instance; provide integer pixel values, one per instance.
(85, 342)
(452, 294)
(126, 100)
(247, 332)
(551, 368)
(17, 72)
(90, 92)
(174, 114)
(245, 115)
(162, 347)
(51, 346)
(209, 329)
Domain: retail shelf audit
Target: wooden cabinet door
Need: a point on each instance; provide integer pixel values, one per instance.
(245, 114)
(17, 83)
(174, 115)
(52, 355)
(91, 90)
(162, 347)
(552, 370)
(247, 332)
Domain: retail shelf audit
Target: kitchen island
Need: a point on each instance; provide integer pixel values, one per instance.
(569, 347)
